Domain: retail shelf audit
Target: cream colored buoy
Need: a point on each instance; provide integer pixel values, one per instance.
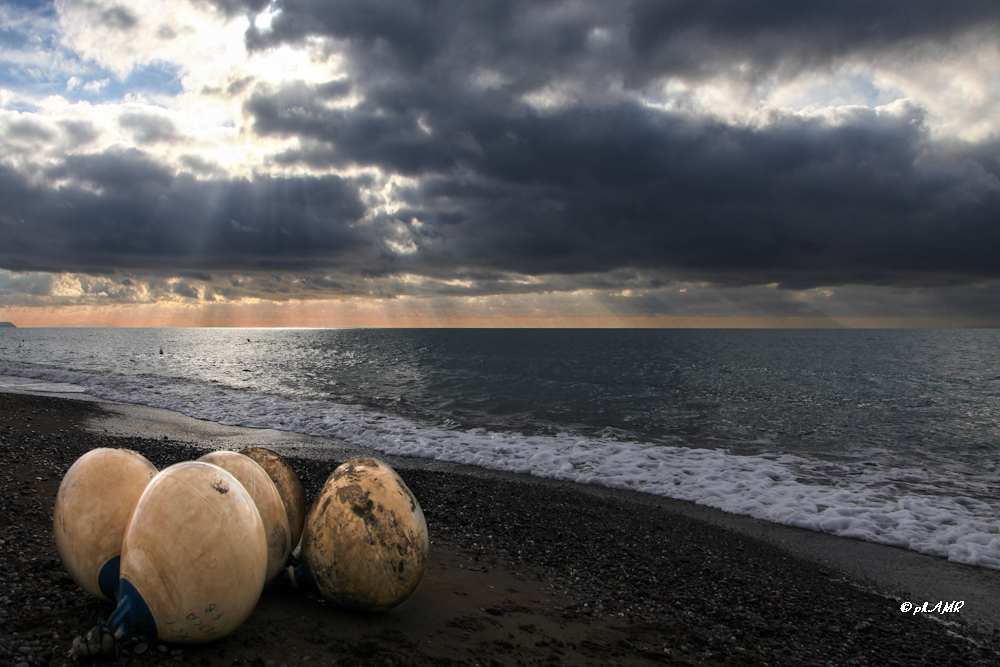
(194, 557)
(289, 487)
(265, 496)
(92, 510)
(365, 540)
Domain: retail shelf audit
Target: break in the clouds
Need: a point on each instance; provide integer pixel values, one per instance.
(763, 151)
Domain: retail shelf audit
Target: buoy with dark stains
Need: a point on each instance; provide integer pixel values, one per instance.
(193, 559)
(265, 496)
(92, 510)
(287, 482)
(365, 542)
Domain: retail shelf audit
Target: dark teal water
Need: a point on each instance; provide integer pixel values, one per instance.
(888, 436)
(915, 393)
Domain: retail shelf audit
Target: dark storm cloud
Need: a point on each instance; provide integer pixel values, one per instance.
(185, 290)
(530, 151)
(321, 284)
(598, 182)
(196, 275)
(638, 39)
(799, 202)
(684, 35)
(123, 210)
(115, 172)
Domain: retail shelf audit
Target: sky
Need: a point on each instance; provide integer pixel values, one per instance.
(743, 163)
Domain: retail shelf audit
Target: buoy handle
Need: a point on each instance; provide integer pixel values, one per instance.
(131, 616)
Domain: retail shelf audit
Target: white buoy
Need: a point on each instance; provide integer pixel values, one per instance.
(265, 496)
(289, 487)
(193, 559)
(95, 501)
(365, 541)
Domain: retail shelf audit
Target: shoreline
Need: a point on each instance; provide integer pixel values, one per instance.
(894, 572)
(607, 573)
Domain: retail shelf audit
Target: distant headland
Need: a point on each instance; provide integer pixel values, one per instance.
(7, 325)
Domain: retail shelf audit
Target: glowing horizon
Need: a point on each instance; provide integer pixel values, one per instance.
(375, 314)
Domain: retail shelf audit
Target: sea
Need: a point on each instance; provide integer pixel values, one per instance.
(889, 436)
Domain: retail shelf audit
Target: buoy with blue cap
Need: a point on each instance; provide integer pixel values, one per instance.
(287, 482)
(365, 543)
(265, 496)
(193, 561)
(92, 510)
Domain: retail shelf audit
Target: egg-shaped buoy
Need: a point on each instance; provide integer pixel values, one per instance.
(194, 557)
(365, 541)
(289, 487)
(265, 496)
(93, 505)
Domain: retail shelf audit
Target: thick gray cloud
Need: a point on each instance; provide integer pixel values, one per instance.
(533, 40)
(27, 129)
(602, 182)
(686, 35)
(124, 210)
(532, 146)
(872, 199)
(79, 132)
(148, 128)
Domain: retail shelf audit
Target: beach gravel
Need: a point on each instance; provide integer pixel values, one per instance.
(522, 573)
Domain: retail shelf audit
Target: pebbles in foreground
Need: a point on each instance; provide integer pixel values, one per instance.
(577, 580)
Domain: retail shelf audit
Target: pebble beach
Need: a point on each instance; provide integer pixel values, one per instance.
(521, 573)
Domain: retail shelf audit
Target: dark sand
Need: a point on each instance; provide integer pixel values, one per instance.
(521, 572)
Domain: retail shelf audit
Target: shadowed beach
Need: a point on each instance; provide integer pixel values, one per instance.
(522, 571)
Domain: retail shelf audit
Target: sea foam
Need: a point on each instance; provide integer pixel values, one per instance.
(951, 516)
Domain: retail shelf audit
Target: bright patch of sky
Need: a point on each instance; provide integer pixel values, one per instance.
(183, 64)
(263, 20)
(36, 63)
(958, 88)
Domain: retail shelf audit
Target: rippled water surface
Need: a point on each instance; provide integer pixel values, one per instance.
(771, 423)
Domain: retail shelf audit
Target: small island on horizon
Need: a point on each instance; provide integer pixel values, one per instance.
(7, 325)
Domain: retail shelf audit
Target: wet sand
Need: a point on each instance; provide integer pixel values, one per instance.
(522, 571)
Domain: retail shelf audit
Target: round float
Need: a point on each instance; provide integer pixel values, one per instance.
(265, 496)
(194, 557)
(289, 487)
(365, 541)
(93, 505)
